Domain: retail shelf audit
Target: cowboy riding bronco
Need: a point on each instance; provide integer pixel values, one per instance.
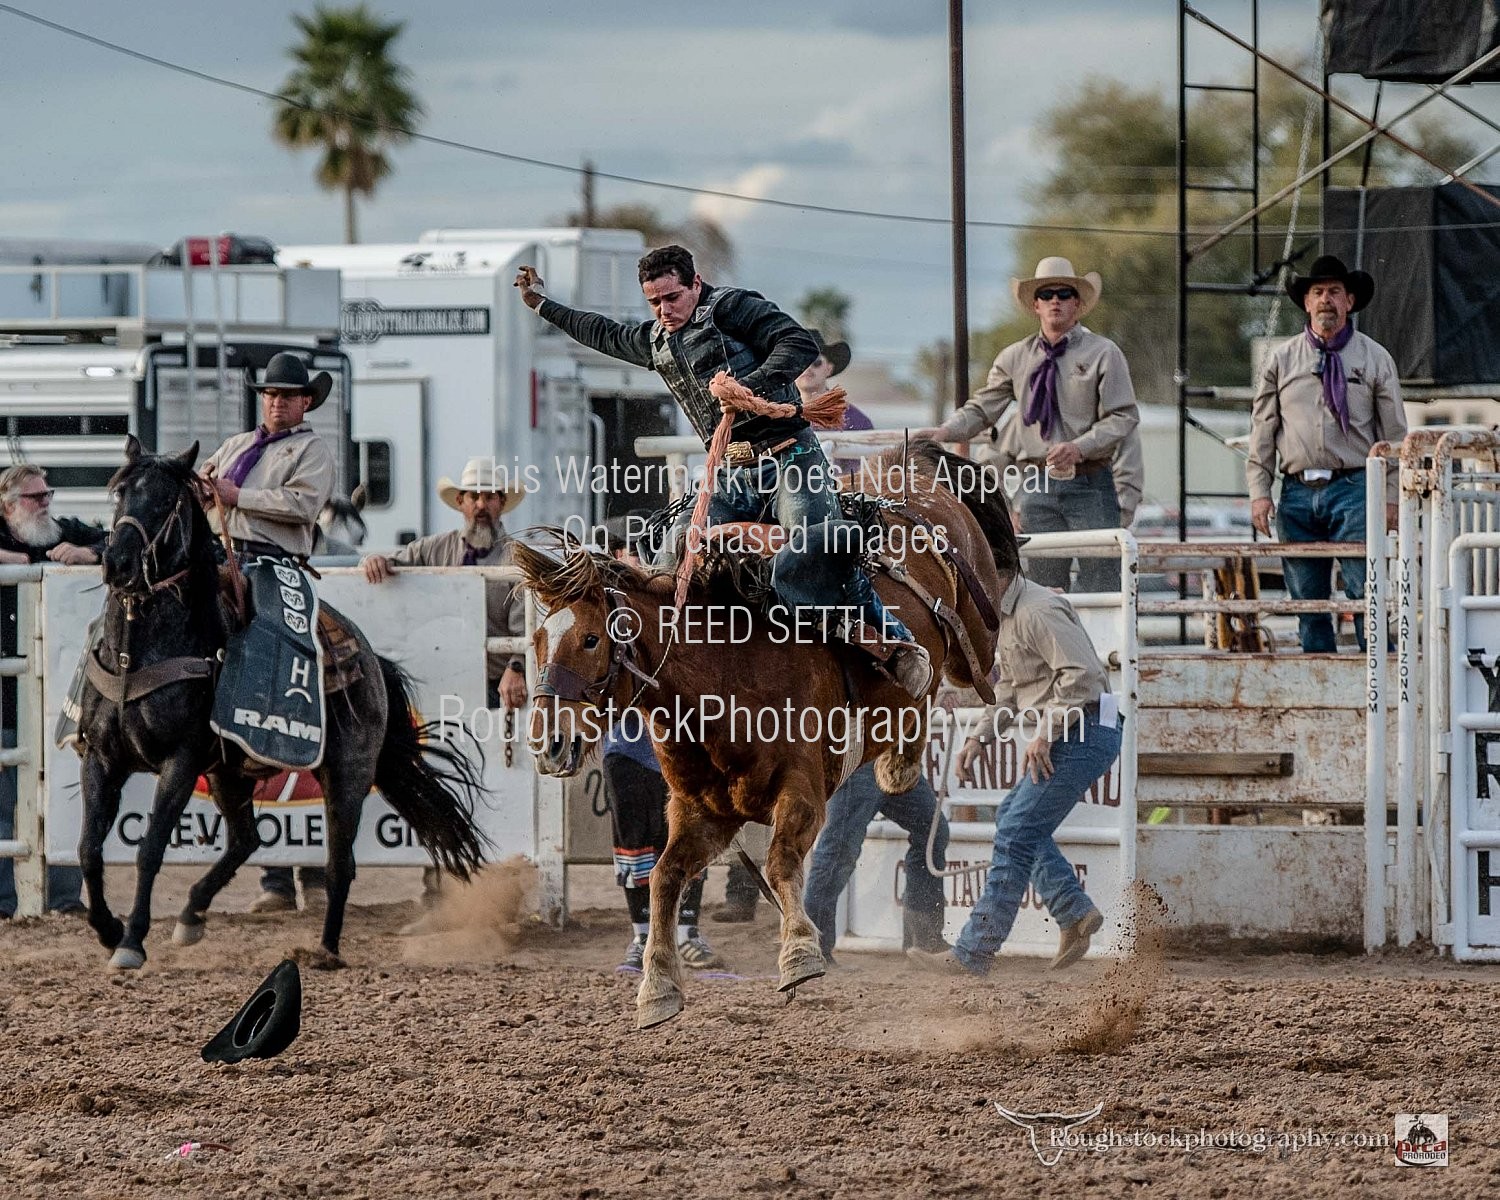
(774, 468)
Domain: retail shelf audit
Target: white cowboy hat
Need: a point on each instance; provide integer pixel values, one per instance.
(1056, 270)
(481, 475)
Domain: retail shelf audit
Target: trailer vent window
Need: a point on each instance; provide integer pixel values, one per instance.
(374, 472)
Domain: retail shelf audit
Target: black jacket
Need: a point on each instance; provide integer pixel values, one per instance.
(73, 531)
(731, 330)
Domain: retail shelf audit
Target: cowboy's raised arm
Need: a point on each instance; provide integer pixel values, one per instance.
(629, 343)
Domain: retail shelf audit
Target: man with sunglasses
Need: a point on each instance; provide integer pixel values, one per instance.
(1077, 409)
(273, 482)
(29, 533)
(1324, 398)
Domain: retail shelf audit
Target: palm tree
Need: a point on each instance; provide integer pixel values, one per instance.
(347, 96)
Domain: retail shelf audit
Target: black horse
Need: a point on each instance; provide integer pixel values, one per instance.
(164, 611)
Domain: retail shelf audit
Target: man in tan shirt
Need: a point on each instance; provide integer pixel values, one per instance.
(1324, 399)
(483, 496)
(1054, 688)
(1077, 407)
(274, 480)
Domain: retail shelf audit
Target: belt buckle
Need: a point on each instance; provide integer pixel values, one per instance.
(739, 454)
(1318, 477)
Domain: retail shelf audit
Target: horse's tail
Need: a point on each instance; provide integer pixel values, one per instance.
(978, 487)
(431, 784)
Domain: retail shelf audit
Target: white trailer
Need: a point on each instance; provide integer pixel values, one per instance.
(450, 365)
(96, 342)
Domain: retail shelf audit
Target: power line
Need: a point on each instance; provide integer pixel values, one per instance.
(635, 180)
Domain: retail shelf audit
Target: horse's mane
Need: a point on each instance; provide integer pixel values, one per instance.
(563, 571)
(134, 467)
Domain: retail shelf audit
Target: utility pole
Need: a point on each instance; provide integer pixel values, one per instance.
(960, 202)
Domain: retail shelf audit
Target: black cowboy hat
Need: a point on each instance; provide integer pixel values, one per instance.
(1359, 284)
(837, 353)
(288, 372)
(267, 1024)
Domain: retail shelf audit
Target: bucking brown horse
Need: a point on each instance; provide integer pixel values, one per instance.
(752, 720)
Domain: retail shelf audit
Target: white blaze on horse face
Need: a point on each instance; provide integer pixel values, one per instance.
(554, 629)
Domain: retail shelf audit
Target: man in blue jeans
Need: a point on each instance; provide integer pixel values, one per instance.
(850, 811)
(1324, 399)
(1051, 680)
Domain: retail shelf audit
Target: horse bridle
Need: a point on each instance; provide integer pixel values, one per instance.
(558, 682)
(153, 543)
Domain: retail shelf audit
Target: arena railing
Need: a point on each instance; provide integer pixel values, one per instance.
(20, 593)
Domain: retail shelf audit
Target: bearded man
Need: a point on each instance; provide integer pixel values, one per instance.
(29, 533)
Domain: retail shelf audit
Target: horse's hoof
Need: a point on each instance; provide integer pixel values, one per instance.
(126, 958)
(799, 967)
(654, 1012)
(318, 959)
(188, 935)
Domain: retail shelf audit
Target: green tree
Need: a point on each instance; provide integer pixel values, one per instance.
(826, 309)
(349, 98)
(713, 252)
(1115, 169)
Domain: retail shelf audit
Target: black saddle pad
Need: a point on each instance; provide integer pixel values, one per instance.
(269, 700)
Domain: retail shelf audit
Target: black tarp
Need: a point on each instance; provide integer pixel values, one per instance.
(1410, 41)
(1435, 256)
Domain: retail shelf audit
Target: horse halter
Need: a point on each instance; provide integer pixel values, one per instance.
(150, 565)
(558, 682)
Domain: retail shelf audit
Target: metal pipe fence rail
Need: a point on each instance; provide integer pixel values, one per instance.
(24, 583)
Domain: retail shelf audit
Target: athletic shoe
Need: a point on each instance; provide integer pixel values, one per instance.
(635, 957)
(696, 953)
(1074, 942)
(273, 902)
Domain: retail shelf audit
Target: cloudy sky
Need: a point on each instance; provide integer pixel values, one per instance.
(828, 102)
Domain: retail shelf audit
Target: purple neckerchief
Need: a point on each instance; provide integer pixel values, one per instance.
(240, 469)
(471, 556)
(1335, 385)
(1042, 405)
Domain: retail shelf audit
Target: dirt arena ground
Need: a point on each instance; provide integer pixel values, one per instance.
(475, 1062)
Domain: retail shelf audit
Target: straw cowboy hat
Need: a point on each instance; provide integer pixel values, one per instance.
(1058, 271)
(288, 373)
(1359, 284)
(481, 475)
(838, 354)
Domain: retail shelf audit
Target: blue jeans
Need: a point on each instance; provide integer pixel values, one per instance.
(850, 810)
(797, 489)
(1067, 506)
(1025, 852)
(63, 883)
(1334, 512)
